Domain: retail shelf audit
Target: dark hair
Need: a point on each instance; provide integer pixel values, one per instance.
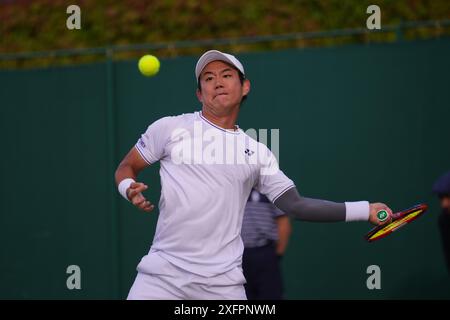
(241, 78)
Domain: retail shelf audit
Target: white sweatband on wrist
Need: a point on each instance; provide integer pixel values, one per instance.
(357, 211)
(123, 187)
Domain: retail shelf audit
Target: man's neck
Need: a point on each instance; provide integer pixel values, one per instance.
(225, 121)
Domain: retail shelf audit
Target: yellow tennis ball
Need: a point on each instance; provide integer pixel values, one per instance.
(148, 65)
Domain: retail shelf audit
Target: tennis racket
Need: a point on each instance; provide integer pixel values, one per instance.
(399, 220)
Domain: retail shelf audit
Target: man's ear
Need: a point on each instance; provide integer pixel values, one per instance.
(199, 95)
(246, 87)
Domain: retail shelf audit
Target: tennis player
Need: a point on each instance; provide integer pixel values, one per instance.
(208, 169)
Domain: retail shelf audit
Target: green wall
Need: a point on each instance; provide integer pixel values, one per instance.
(357, 122)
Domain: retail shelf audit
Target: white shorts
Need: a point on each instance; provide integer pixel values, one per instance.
(158, 279)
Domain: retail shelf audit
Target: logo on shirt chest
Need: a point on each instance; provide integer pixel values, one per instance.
(249, 152)
(212, 146)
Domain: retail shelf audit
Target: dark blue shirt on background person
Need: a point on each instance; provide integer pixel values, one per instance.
(442, 189)
(265, 233)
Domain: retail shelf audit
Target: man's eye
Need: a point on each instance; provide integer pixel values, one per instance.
(208, 78)
(227, 75)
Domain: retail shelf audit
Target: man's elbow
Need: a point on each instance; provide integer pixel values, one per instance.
(123, 171)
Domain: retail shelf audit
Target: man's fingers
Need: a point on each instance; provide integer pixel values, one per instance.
(380, 214)
(147, 206)
(138, 188)
(135, 195)
(138, 202)
(380, 223)
(384, 209)
(390, 214)
(143, 204)
(138, 199)
(134, 185)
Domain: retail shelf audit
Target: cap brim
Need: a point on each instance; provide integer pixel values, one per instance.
(214, 55)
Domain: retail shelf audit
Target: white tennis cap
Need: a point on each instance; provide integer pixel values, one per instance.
(213, 55)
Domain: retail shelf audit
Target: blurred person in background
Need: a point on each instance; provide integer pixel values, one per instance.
(442, 189)
(265, 233)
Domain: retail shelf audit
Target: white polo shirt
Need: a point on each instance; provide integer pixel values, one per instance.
(207, 174)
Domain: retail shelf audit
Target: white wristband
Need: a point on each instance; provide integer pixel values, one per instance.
(357, 211)
(123, 187)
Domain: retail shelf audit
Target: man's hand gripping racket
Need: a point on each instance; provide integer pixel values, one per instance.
(388, 222)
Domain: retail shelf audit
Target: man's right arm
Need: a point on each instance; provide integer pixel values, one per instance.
(126, 174)
(318, 210)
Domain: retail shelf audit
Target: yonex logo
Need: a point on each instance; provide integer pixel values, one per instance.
(249, 152)
(142, 143)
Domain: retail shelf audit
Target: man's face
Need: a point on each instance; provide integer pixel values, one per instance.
(221, 87)
(445, 203)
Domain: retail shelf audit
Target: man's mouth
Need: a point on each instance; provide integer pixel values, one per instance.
(220, 94)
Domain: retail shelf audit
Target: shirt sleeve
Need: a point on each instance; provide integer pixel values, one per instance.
(272, 181)
(152, 143)
(277, 212)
